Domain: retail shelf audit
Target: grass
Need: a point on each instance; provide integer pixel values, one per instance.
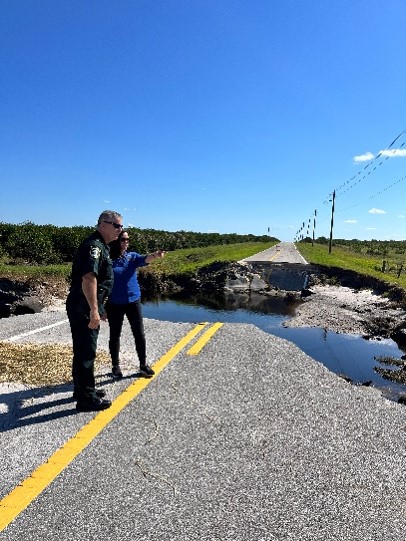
(189, 260)
(344, 258)
(34, 272)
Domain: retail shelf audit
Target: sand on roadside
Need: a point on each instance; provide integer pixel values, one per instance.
(346, 310)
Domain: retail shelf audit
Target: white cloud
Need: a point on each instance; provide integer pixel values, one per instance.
(401, 216)
(370, 228)
(350, 221)
(394, 153)
(376, 211)
(390, 153)
(363, 157)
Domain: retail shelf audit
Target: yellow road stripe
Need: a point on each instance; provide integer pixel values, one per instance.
(26, 492)
(275, 256)
(198, 346)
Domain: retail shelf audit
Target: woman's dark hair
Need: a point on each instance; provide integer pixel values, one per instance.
(114, 245)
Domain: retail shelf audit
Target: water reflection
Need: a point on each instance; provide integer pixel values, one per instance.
(345, 354)
(256, 303)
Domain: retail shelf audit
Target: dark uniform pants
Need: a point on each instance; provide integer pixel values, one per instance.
(115, 315)
(84, 342)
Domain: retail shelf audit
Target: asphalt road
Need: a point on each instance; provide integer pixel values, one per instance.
(284, 252)
(240, 436)
(248, 439)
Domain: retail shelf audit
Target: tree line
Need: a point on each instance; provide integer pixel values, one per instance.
(371, 247)
(50, 244)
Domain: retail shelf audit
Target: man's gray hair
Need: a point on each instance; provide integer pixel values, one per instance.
(109, 216)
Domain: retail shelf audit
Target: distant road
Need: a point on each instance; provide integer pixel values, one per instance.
(284, 252)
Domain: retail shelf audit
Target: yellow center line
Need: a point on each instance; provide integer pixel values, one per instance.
(275, 256)
(29, 489)
(198, 346)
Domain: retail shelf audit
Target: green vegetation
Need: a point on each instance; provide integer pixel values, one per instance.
(29, 272)
(185, 261)
(383, 260)
(35, 253)
(30, 244)
(188, 261)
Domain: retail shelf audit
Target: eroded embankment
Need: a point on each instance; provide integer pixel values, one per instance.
(349, 302)
(335, 299)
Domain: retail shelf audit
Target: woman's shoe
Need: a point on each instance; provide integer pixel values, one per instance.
(146, 371)
(116, 371)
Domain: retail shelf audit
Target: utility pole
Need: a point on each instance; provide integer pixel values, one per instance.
(332, 223)
(314, 225)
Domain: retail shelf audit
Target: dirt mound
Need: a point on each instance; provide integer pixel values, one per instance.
(29, 296)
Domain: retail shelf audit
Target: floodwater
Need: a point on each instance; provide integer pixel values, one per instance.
(348, 355)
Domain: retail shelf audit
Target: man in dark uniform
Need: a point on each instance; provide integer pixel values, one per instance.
(91, 283)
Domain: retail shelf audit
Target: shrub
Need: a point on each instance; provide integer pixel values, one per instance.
(31, 246)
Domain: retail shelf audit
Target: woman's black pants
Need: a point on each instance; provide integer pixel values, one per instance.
(115, 314)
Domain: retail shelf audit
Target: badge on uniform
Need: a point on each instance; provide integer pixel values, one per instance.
(95, 252)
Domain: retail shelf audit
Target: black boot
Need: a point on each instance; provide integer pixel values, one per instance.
(146, 371)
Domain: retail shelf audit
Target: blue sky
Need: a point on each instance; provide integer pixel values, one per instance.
(205, 115)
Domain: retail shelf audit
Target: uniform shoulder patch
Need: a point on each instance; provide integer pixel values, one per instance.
(95, 252)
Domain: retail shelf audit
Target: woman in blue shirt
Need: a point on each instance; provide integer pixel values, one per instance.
(125, 300)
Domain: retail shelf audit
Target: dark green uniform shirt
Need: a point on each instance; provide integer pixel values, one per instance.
(93, 255)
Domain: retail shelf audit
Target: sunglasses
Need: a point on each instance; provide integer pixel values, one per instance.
(114, 224)
(125, 239)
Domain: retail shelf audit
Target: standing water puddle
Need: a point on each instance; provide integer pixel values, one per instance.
(348, 355)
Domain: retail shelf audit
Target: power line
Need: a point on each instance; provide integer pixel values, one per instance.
(369, 172)
(383, 156)
(375, 194)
